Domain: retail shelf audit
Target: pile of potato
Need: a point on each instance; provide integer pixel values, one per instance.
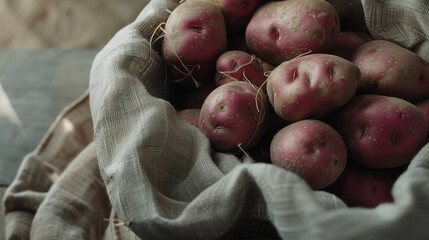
(280, 82)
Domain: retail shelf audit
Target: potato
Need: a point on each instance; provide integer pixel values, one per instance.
(312, 149)
(380, 131)
(360, 186)
(241, 66)
(389, 69)
(195, 36)
(311, 86)
(282, 30)
(234, 116)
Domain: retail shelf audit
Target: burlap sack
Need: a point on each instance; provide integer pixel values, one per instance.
(161, 178)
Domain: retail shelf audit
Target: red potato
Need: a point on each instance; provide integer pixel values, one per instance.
(312, 149)
(389, 69)
(282, 30)
(195, 36)
(348, 42)
(190, 116)
(241, 66)
(380, 131)
(311, 86)
(359, 186)
(234, 115)
(237, 13)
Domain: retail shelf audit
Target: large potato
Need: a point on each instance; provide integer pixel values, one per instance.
(389, 69)
(282, 30)
(380, 131)
(195, 36)
(311, 86)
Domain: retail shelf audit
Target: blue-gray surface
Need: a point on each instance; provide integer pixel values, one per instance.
(35, 86)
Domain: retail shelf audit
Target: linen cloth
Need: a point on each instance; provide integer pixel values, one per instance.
(119, 164)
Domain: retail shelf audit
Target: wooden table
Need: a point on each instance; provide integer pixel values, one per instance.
(35, 86)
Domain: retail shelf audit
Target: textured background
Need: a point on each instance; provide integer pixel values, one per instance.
(63, 24)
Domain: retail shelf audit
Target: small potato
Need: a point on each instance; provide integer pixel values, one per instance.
(241, 66)
(391, 70)
(234, 116)
(312, 149)
(311, 86)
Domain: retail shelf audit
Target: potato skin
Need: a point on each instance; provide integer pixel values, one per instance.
(380, 131)
(312, 149)
(389, 69)
(311, 86)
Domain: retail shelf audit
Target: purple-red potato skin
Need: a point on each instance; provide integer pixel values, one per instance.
(195, 36)
(282, 30)
(380, 131)
(348, 42)
(241, 66)
(237, 13)
(359, 186)
(234, 114)
(190, 116)
(389, 69)
(312, 149)
(311, 86)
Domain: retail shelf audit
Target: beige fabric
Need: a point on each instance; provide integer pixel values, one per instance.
(58, 192)
(163, 181)
(403, 22)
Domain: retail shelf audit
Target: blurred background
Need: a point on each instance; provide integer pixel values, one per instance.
(79, 24)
